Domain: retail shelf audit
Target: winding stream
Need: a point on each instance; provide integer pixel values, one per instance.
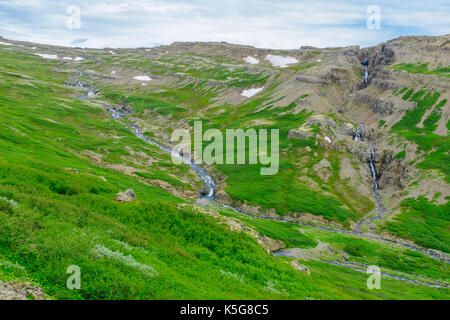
(211, 185)
(201, 173)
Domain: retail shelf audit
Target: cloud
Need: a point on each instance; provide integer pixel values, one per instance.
(263, 23)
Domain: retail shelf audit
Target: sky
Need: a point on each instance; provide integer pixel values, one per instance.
(277, 24)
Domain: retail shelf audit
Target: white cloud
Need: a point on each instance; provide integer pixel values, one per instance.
(263, 23)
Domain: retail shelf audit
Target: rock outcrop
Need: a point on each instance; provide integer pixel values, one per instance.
(300, 267)
(20, 291)
(377, 105)
(126, 196)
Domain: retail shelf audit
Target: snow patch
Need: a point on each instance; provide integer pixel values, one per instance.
(328, 139)
(143, 78)
(47, 56)
(251, 92)
(67, 58)
(78, 59)
(280, 61)
(6, 44)
(251, 60)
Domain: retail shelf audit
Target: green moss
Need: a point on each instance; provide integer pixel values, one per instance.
(426, 223)
(423, 69)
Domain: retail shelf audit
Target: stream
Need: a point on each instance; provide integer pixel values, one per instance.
(201, 173)
(362, 268)
(211, 185)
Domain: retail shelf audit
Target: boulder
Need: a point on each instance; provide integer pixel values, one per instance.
(126, 196)
(297, 134)
(205, 190)
(271, 244)
(300, 267)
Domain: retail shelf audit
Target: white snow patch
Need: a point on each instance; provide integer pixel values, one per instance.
(143, 78)
(5, 43)
(113, 72)
(328, 139)
(251, 60)
(319, 60)
(280, 61)
(112, 52)
(78, 59)
(34, 48)
(47, 56)
(67, 58)
(251, 92)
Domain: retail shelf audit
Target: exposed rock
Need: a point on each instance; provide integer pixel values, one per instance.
(300, 267)
(126, 196)
(379, 55)
(312, 80)
(346, 129)
(298, 134)
(204, 190)
(322, 120)
(323, 169)
(359, 148)
(20, 291)
(271, 244)
(339, 75)
(377, 105)
(394, 173)
(130, 193)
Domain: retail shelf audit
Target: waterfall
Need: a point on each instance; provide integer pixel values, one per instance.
(365, 63)
(373, 170)
(366, 76)
(357, 136)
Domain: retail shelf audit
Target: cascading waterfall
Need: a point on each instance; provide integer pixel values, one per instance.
(365, 63)
(373, 170)
(357, 136)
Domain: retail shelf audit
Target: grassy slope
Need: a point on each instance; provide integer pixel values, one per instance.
(426, 223)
